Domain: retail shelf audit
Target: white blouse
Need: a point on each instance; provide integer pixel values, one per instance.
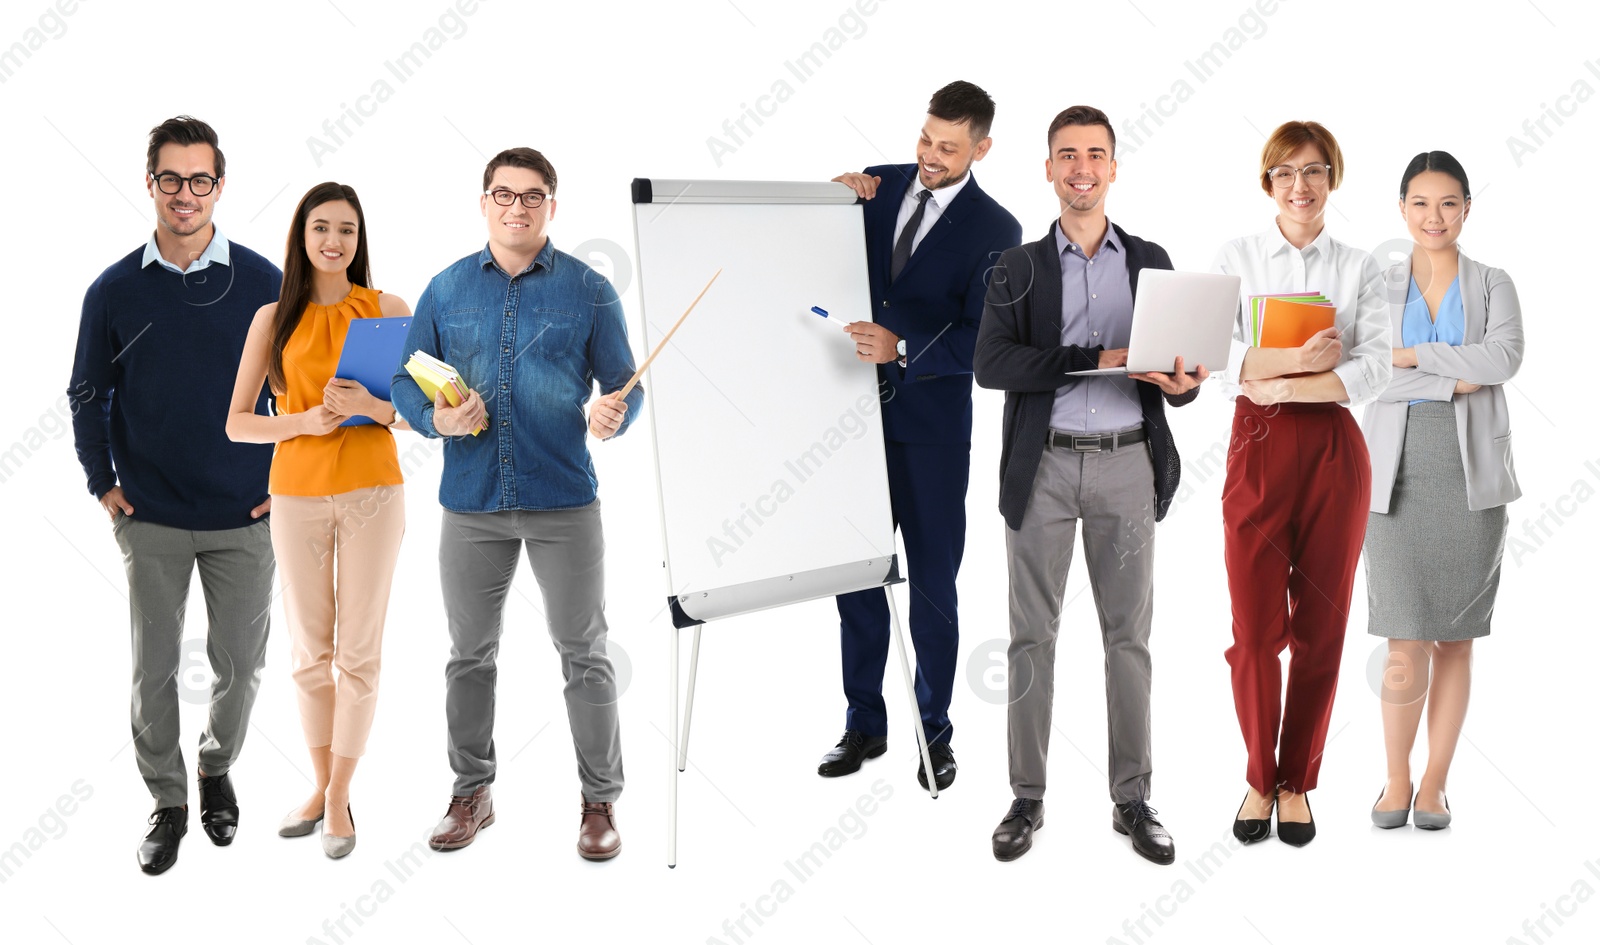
(1267, 264)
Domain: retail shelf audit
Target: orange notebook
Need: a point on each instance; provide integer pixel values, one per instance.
(1287, 324)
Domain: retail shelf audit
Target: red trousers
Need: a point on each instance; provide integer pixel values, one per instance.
(1294, 507)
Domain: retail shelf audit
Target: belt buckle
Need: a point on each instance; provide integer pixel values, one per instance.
(1086, 444)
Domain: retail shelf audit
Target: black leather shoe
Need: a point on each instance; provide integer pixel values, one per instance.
(1137, 820)
(159, 850)
(1014, 836)
(853, 748)
(944, 766)
(1298, 834)
(219, 811)
(1252, 831)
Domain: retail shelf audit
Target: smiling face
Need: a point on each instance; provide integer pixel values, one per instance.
(1434, 208)
(1303, 202)
(182, 213)
(1080, 166)
(333, 232)
(945, 152)
(517, 230)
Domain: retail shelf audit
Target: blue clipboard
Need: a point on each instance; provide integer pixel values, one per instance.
(373, 350)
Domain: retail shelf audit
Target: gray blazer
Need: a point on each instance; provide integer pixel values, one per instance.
(1490, 355)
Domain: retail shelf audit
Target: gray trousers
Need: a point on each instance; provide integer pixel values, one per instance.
(478, 555)
(236, 570)
(1113, 494)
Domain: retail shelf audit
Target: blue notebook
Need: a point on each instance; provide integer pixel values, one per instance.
(373, 350)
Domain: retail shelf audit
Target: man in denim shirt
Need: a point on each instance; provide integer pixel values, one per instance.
(530, 330)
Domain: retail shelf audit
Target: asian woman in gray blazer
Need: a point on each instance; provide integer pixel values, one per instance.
(1440, 440)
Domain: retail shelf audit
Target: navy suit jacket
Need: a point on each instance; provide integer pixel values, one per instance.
(936, 305)
(1020, 352)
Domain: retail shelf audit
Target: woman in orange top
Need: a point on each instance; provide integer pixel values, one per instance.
(337, 500)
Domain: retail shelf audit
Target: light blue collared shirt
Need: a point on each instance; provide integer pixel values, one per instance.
(1096, 309)
(216, 252)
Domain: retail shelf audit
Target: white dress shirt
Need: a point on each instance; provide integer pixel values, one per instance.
(1268, 265)
(216, 251)
(937, 203)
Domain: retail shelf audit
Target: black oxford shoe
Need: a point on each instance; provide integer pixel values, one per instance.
(219, 811)
(1137, 821)
(1014, 836)
(944, 766)
(853, 748)
(159, 850)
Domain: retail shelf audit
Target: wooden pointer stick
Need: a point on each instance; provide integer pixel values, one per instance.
(628, 387)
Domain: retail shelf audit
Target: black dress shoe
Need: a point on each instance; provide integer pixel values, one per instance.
(159, 850)
(1014, 836)
(219, 811)
(1252, 831)
(853, 748)
(1297, 834)
(1137, 820)
(944, 766)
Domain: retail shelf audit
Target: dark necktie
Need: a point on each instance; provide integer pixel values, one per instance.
(902, 246)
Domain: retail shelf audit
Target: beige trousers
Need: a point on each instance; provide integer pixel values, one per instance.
(336, 559)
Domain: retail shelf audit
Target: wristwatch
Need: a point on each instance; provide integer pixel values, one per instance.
(900, 347)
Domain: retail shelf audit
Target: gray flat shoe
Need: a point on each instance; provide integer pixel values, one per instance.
(1427, 820)
(293, 826)
(1390, 819)
(337, 847)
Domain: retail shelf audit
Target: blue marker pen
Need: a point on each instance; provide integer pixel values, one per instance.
(836, 319)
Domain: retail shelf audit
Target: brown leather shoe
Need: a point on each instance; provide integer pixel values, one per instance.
(462, 820)
(597, 832)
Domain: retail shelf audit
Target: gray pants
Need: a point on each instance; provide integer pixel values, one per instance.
(478, 554)
(236, 568)
(1113, 494)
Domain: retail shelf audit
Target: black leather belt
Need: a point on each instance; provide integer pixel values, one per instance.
(1093, 442)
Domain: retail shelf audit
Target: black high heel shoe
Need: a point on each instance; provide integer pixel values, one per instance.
(1298, 834)
(1252, 831)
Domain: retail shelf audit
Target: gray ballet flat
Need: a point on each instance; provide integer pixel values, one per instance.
(337, 847)
(1427, 820)
(293, 826)
(1390, 819)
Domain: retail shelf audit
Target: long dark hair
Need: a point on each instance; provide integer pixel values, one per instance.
(296, 291)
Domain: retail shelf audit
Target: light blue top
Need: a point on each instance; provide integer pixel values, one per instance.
(216, 251)
(1417, 327)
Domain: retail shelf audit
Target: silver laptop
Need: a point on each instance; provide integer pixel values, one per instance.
(1187, 314)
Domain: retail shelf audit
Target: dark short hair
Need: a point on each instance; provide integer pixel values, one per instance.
(526, 158)
(1079, 115)
(964, 102)
(1442, 161)
(183, 130)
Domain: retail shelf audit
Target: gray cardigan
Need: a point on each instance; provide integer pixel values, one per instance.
(1490, 354)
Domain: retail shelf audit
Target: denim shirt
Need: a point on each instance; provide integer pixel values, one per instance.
(532, 345)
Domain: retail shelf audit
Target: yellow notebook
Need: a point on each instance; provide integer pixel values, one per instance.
(433, 376)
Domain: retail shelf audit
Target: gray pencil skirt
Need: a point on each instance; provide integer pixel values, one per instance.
(1433, 565)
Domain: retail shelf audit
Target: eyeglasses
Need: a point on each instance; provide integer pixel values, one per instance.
(199, 184)
(1316, 175)
(532, 199)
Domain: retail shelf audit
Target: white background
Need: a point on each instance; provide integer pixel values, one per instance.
(614, 91)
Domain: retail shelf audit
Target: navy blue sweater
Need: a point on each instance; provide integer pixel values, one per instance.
(157, 356)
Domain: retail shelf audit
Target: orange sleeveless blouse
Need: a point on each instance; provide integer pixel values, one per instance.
(348, 458)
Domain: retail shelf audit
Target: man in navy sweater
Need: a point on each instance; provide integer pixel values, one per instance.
(158, 351)
(932, 235)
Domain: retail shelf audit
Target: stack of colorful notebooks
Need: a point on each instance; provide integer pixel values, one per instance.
(433, 376)
(1286, 321)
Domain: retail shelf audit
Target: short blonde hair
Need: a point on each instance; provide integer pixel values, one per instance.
(1290, 137)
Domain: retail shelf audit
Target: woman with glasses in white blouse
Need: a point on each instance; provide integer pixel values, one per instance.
(1294, 504)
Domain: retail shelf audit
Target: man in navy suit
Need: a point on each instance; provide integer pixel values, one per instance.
(932, 236)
